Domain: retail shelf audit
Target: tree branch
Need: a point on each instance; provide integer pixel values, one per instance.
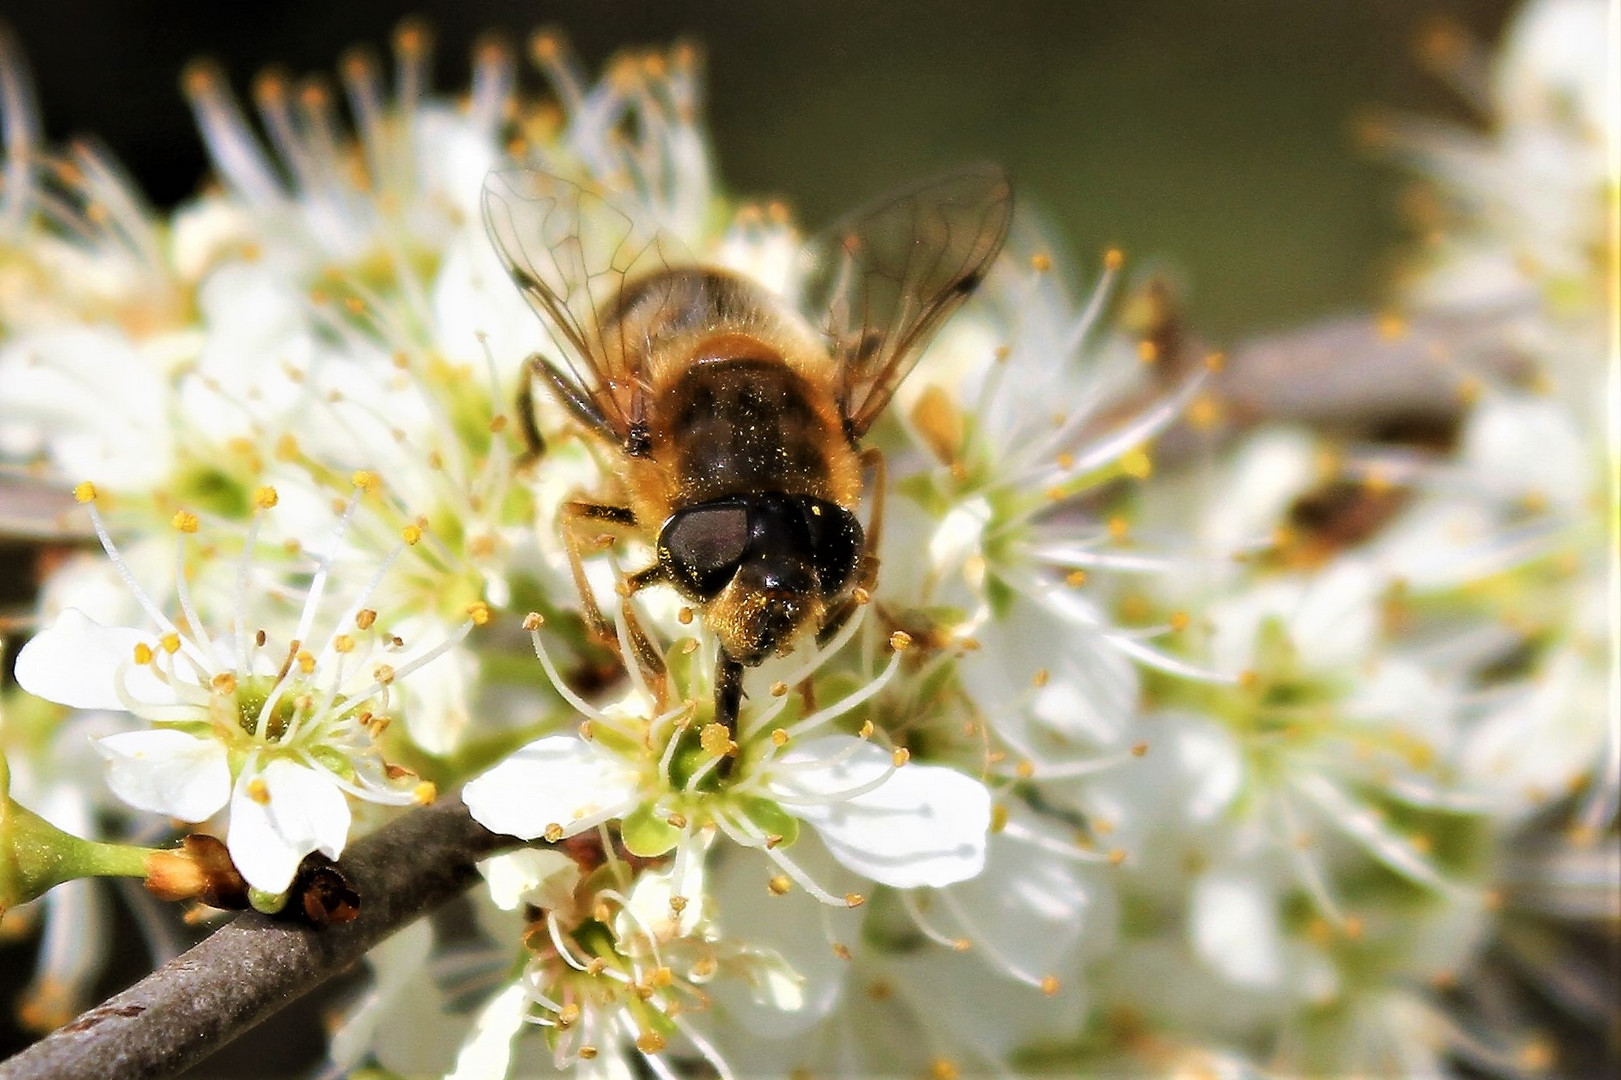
(255, 965)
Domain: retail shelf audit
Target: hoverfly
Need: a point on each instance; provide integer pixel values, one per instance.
(735, 421)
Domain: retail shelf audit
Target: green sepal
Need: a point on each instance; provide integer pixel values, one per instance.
(772, 820)
(646, 834)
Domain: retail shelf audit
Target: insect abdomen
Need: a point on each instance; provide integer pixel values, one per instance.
(747, 425)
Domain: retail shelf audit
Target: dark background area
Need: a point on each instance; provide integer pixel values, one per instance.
(1213, 138)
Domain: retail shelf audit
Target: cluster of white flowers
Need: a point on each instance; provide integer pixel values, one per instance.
(1121, 767)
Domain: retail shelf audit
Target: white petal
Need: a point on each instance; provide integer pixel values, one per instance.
(304, 812)
(788, 1001)
(546, 879)
(924, 825)
(559, 780)
(76, 661)
(167, 772)
(488, 1053)
(1235, 929)
(1032, 908)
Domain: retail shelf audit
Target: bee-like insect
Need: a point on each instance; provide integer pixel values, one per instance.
(735, 421)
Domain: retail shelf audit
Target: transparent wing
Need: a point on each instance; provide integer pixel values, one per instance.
(573, 253)
(888, 275)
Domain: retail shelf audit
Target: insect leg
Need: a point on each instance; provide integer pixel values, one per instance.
(534, 443)
(571, 397)
(573, 514)
(873, 458)
(648, 657)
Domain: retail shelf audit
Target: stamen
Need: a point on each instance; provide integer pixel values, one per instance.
(851, 701)
(232, 147)
(21, 135)
(986, 945)
(743, 833)
(1023, 833)
(580, 704)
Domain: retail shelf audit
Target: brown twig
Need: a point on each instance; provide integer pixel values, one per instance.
(255, 965)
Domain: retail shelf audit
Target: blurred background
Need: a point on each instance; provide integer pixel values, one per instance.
(1217, 135)
(1213, 139)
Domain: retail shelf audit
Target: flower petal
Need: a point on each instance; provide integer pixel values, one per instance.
(167, 772)
(923, 825)
(297, 811)
(559, 780)
(487, 1053)
(76, 661)
(1234, 923)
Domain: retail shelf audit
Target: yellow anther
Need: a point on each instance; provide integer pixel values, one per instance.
(900, 641)
(999, 818)
(716, 740)
(1041, 263)
(185, 521)
(1180, 621)
(1049, 985)
(287, 448)
(678, 904)
(223, 683)
(676, 820)
(901, 756)
(259, 791)
(1117, 856)
(383, 673)
(650, 1042)
(366, 481)
(1075, 578)
(779, 885)
(1215, 361)
(854, 899)
(1040, 678)
(479, 612)
(1205, 412)
(779, 737)
(779, 688)
(1114, 258)
(1118, 527)
(1147, 351)
(1139, 749)
(568, 1015)
(343, 643)
(425, 792)
(306, 661)
(170, 643)
(684, 616)
(534, 621)
(265, 497)
(411, 534)
(866, 729)
(84, 491)
(553, 833)
(143, 653)
(365, 618)
(1137, 464)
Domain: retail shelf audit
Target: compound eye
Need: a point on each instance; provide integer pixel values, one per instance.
(836, 543)
(701, 546)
